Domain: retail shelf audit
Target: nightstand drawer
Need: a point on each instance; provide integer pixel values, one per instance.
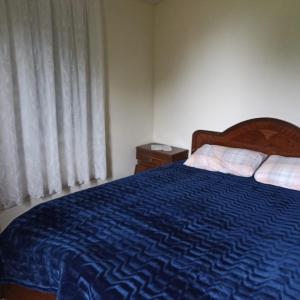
(141, 167)
(149, 158)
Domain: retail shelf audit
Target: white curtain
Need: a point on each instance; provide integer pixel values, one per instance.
(52, 129)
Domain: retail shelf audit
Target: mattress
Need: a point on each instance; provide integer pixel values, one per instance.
(169, 233)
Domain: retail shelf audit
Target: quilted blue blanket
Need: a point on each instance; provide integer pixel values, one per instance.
(169, 233)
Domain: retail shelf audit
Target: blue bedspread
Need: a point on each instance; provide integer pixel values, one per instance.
(170, 233)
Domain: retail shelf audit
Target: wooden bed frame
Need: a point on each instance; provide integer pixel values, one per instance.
(267, 135)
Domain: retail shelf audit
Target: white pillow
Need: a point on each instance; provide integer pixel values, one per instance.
(236, 161)
(280, 171)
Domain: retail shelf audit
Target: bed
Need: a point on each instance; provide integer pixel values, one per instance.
(173, 232)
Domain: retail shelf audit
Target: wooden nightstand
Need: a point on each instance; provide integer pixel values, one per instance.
(148, 159)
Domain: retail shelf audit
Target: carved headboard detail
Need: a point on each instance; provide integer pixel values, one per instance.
(268, 135)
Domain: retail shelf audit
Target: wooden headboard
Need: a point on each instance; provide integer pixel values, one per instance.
(267, 135)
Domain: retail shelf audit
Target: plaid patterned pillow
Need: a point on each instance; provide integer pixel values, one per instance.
(280, 171)
(236, 161)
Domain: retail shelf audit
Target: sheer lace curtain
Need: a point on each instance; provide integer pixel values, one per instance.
(52, 129)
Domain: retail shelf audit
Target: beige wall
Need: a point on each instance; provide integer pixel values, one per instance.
(129, 37)
(219, 62)
(129, 28)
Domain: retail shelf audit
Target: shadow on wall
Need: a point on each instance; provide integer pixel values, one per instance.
(107, 112)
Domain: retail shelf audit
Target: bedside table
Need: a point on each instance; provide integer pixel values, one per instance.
(148, 159)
